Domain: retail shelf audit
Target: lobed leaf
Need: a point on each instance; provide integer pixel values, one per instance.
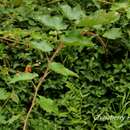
(72, 13)
(99, 18)
(54, 22)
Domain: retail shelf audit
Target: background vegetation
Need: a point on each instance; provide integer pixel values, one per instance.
(84, 48)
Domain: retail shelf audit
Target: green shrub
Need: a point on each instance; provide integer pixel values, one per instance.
(64, 65)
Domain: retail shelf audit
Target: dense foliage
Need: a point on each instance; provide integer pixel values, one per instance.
(85, 81)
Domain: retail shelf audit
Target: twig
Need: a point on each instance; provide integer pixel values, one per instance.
(5, 102)
(104, 45)
(101, 41)
(52, 2)
(42, 79)
(106, 2)
(6, 39)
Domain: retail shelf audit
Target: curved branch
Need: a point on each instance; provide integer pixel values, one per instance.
(87, 33)
(42, 79)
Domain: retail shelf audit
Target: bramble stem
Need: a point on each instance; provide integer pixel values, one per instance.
(41, 80)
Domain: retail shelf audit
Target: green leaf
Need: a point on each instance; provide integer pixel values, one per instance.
(14, 97)
(42, 46)
(99, 18)
(13, 118)
(97, 3)
(60, 69)
(118, 6)
(17, 3)
(47, 104)
(75, 39)
(54, 22)
(23, 76)
(128, 13)
(2, 119)
(128, 111)
(72, 13)
(2, 53)
(2, 47)
(4, 94)
(113, 33)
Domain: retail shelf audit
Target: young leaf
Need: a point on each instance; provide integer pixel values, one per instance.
(23, 76)
(42, 46)
(54, 22)
(72, 13)
(4, 94)
(99, 18)
(59, 68)
(47, 104)
(113, 33)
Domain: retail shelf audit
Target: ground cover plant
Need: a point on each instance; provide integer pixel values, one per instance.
(64, 65)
